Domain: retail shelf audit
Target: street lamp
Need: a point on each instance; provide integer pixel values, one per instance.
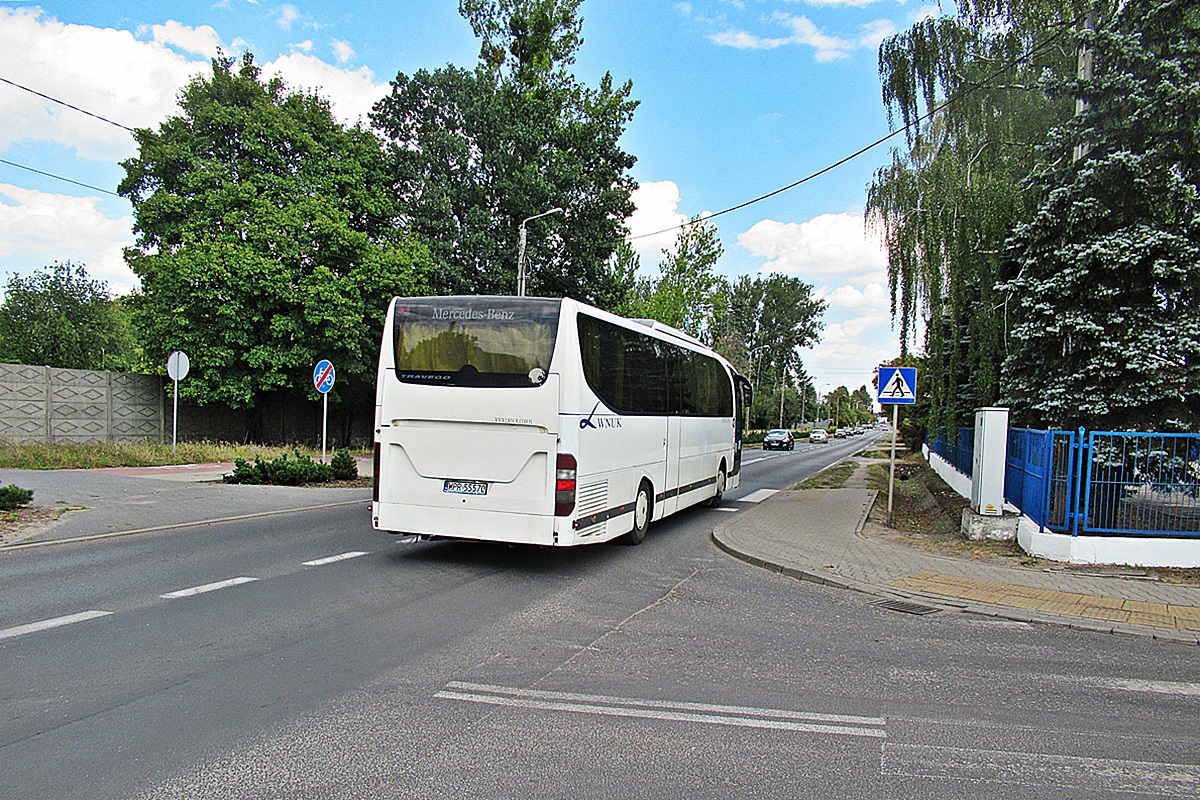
(521, 249)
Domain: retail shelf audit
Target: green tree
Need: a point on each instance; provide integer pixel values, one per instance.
(59, 317)
(777, 316)
(1106, 293)
(947, 203)
(473, 153)
(688, 294)
(267, 240)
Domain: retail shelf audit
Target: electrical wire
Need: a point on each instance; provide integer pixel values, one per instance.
(64, 103)
(57, 177)
(928, 115)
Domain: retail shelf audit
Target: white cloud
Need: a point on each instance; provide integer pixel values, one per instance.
(657, 210)
(850, 351)
(827, 247)
(874, 296)
(352, 93)
(803, 31)
(342, 51)
(289, 15)
(108, 72)
(39, 228)
(202, 41)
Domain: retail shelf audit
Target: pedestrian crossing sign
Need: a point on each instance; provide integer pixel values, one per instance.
(897, 386)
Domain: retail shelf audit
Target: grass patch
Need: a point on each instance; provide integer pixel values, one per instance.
(94, 455)
(834, 477)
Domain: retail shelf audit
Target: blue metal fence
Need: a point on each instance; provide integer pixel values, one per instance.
(1106, 481)
(960, 453)
(1102, 482)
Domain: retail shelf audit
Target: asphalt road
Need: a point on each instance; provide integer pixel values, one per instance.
(441, 669)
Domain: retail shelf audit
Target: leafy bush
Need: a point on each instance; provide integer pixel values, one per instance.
(286, 470)
(344, 466)
(12, 496)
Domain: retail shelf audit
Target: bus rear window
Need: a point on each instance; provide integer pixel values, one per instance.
(475, 341)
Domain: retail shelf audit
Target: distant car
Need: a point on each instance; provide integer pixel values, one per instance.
(818, 435)
(779, 439)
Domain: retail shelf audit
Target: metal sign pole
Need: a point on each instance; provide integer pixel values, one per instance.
(324, 420)
(892, 469)
(175, 417)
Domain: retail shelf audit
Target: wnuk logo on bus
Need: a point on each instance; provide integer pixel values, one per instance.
(472, 313)
(595, 423)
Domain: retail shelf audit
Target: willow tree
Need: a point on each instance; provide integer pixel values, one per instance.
(967, 91)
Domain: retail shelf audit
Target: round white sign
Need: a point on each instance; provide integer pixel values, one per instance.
(178, 365)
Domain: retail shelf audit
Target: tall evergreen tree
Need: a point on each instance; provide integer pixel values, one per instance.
(1105, 301)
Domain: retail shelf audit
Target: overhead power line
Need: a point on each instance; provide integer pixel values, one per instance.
(923, 118)
(64, 103)
(57, 177)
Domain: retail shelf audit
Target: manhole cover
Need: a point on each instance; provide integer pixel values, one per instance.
(906, 608)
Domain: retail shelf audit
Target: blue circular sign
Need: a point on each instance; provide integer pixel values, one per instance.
(323, 376)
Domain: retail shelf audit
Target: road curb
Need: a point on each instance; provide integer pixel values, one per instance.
(95, 537)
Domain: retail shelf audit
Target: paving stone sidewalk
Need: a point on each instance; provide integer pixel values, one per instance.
(818, 535)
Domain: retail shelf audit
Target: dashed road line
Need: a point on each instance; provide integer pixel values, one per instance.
(208, 587)
(705, 713)
(757, 497)
(320, 562)
(56, 622)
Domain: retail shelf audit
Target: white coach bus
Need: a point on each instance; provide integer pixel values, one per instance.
(546, 421)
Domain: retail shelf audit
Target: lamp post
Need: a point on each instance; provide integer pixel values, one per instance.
(521, 248)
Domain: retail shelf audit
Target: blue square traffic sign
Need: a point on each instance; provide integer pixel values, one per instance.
(897, 386)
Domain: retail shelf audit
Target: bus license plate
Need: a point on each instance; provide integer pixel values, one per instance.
(465, 487)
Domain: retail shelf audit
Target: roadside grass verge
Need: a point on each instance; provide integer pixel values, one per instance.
(94, 455)
(834, 477)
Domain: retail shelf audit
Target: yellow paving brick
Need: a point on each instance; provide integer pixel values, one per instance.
(1184, 612)
(1103, 612)
(1143, 606)
(1152, 619)
(1114, 603)
(1187, 624)
(1051, 607)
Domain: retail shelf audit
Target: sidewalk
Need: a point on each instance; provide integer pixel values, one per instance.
(823, 535)
(117, 501)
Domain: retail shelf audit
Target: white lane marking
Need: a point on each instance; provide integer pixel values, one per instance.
(46, 624)
(1058, 772)
(1138, 685)
(320, 562)
(208, 587)
(726, 509)
(738, 716)
(757, 497)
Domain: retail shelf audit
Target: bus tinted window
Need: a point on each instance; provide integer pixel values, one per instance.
(475, 341)
(638, 374)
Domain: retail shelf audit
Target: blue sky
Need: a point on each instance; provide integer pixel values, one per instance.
(738, 98)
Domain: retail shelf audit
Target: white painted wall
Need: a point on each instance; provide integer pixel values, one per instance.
(1134, 551)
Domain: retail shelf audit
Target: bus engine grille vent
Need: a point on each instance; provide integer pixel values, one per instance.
(591, 499)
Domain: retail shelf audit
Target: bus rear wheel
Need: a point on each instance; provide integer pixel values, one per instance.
(715, 500)
(643, 507)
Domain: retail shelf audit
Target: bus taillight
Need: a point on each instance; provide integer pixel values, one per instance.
(564, 485)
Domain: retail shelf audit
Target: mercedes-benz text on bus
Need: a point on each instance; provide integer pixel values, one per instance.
(546, 421)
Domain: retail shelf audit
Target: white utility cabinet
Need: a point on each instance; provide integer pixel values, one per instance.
(991, 450)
